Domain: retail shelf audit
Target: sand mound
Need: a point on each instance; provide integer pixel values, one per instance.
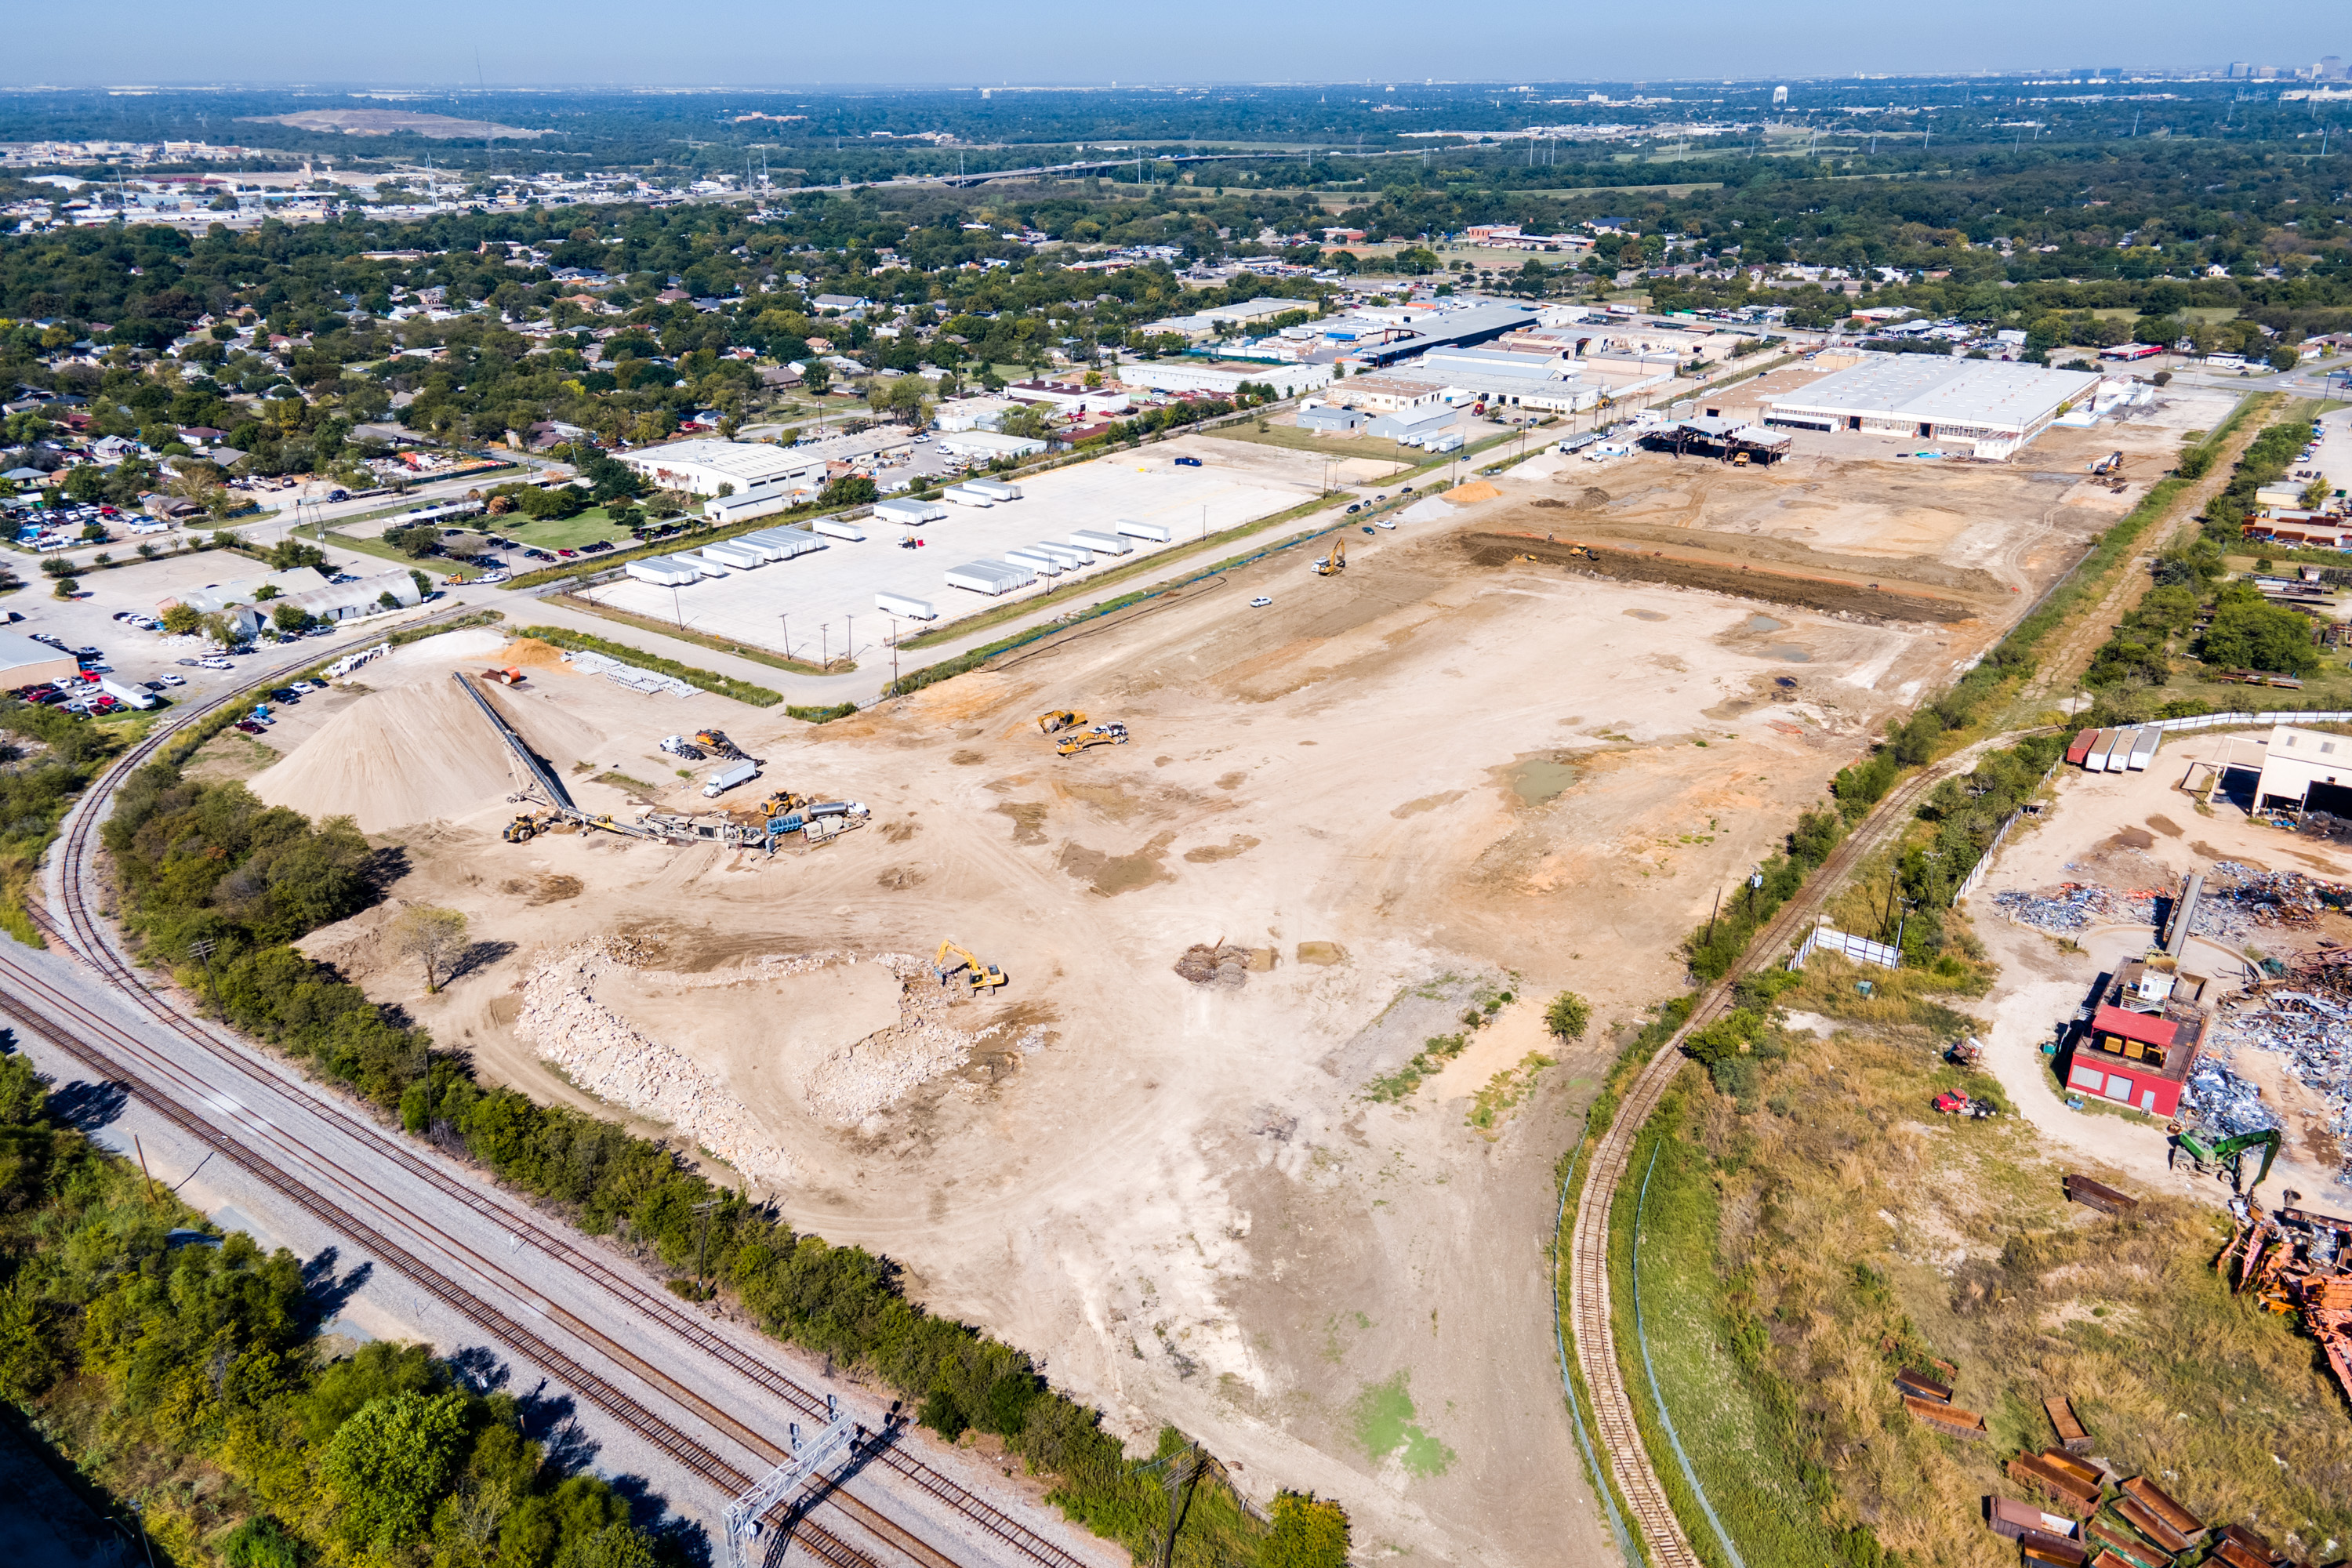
(413, 753)
(529, 653)
(1475, 491)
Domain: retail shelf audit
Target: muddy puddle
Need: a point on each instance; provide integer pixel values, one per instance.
(1536, 780)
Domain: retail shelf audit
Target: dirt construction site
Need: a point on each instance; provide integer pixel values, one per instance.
(1225, 1151)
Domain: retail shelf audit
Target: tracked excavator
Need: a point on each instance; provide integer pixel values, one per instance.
(2210, 1153)
(1059, 720)
(1100, 735)
(1334, 563)
(976, 975)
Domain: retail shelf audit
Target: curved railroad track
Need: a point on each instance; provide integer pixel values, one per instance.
(304, 1175)
(1589, 1303)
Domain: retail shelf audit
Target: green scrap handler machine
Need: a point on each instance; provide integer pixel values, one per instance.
(2211, 1154)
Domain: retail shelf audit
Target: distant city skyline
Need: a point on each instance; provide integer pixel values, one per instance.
(915, 43)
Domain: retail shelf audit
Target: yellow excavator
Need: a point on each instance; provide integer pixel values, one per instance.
(977, 976)
(1334, 563)
(1100, 735)
(1061, 718)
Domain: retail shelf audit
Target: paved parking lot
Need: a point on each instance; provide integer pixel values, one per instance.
(819, 595)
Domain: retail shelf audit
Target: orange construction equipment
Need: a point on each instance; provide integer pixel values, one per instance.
(509, 676)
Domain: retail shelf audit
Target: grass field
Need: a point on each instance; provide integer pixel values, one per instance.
(1292, 436)
(560, 534)
(1803, 1242)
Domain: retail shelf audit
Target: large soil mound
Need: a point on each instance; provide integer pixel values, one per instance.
(418, 752)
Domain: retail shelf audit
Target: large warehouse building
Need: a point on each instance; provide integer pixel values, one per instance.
(1996, 405)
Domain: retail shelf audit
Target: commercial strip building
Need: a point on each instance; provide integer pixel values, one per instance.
(1996, 405)
(24, 662)
(700, 468)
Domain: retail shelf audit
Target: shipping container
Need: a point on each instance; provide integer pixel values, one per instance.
(2143, 750)
(2079, 748)
(994, 489)
(727, 778)
(2102, 758)
(902, 605)
(1100, 543)
(1151, 530)
(833, 528)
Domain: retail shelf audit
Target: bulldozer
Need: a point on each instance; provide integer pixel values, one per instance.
(1334, 563)
(976, 975)
(530, 825)
(2227, 1156)
(1059, 720)
(1100, 735)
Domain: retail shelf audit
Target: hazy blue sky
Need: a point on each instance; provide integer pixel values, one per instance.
(746, 42)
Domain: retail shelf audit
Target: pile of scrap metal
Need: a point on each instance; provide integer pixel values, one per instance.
(2306, 1019)
(2148, 1530)
(2300, 1263)
(1928, 1397)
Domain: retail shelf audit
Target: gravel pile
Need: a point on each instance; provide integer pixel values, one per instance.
(1221, 965)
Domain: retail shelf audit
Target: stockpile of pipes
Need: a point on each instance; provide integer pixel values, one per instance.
(628, 674)
(2078, 907)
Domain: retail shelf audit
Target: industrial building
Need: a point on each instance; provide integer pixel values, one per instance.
(700, 468)
(1996, 405)
(1465, 327)
(1223, 380)
(1219, 317)
(1388, 394)
(2142, 1040)
(24, 662)
(2307, 769)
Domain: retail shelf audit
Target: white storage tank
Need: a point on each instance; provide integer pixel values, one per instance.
(1100, 543)
(903, 604)
(1151, 530)
(833, 528)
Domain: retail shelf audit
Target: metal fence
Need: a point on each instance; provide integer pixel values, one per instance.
(1861, 949)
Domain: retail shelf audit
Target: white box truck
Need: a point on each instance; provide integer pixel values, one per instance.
(994, 489)
(902, 605)
(727, 777)
(833, 528)
(1151, 530)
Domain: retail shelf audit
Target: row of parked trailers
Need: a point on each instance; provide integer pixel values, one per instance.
(740, 553)
(2114, 751)
(1024, 563)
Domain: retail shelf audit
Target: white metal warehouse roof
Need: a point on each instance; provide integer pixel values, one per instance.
(1933, 389)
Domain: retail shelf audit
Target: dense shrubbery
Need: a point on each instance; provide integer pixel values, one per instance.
(60, 755)
(200, 860)
(202, 1361)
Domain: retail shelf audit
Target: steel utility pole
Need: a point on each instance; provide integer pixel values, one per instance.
(702, 1245)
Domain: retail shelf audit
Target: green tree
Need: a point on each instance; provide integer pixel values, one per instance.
(390, 1464)
(2249, 632)
(290, 618)
(1568, 1017)
(1308, 1532)
(181, 619)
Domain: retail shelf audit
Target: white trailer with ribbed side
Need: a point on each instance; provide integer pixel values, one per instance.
(1067, 554)
(907, 605)
(1100, 543)
(1035, 559)
(788, 542)
(989, 577)
(994, 489)
(663, 571)
(1151, 530)
(909, 513)
(964, 495)
(833, 528)
(727, 552)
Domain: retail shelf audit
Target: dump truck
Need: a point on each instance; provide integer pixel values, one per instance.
(967, 966)
(1100, 735)
(1060, 718)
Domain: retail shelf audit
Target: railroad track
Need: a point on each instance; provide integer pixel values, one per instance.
(1589, 1302)
(84, 934)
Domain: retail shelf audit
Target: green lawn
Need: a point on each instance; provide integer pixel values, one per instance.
(1292, 436)
(559, 533)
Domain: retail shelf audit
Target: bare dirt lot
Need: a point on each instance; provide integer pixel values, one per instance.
(1280, 1204)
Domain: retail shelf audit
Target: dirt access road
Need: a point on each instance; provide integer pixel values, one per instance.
(1238, 1205)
